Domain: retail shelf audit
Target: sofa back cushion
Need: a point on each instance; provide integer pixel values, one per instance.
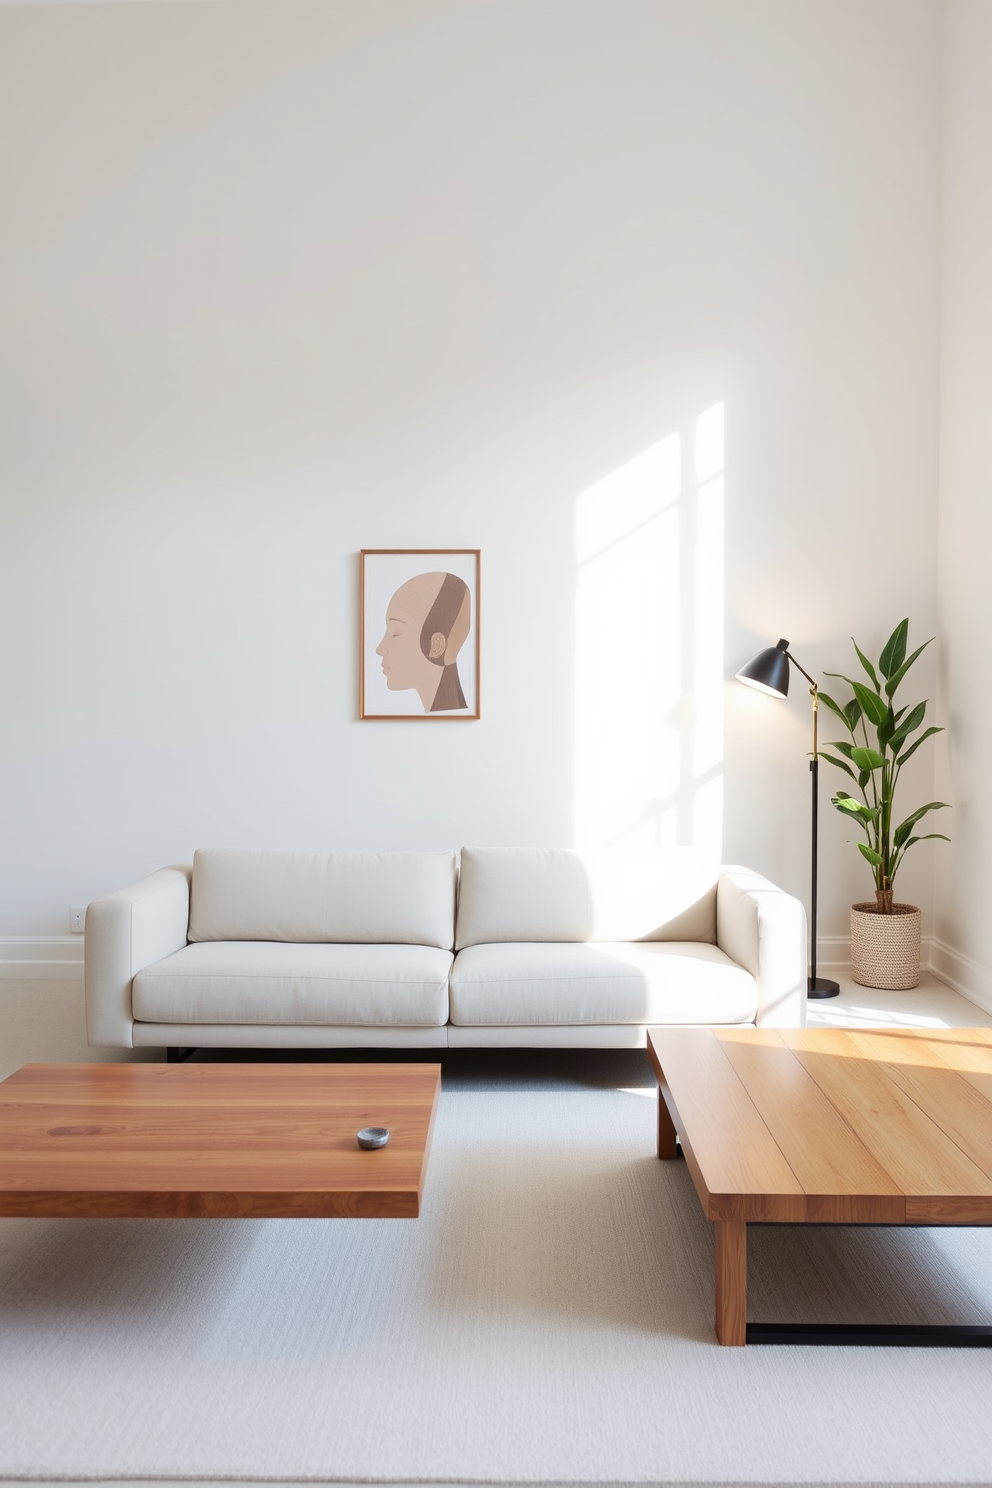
(558, 894)
(352, 898)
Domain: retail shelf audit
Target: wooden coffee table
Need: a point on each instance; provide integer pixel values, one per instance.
(827, 1126)
(210, 1141)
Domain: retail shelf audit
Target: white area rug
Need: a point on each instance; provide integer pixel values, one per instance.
(548, 1320)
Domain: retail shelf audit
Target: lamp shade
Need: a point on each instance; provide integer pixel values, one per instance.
(768, 671)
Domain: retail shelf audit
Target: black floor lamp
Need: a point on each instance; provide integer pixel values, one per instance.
(769, 672)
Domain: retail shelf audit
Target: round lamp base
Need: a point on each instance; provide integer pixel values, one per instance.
(821, 987)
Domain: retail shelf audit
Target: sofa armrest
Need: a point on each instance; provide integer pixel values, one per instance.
(764, 930)
(126, 932)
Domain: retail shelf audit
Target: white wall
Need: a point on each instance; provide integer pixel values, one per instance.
(290, 279)
(964, 880)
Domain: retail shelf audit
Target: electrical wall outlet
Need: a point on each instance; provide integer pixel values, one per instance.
(77, 918)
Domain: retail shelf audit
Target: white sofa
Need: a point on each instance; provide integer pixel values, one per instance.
(506, 946)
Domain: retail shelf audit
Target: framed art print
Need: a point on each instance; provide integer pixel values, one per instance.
(420, 633)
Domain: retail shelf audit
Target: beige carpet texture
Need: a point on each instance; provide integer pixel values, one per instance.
(547, 1320)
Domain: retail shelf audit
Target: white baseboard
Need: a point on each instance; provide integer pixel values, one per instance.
(970, 978)
(41, 957)
(833, 951)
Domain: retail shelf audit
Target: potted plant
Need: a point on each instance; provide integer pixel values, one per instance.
(885, 936)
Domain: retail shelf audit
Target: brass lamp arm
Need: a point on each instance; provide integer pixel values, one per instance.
(813, 692)
(798, 668)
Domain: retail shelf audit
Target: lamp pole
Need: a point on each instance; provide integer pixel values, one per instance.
(769, 672)
(815, 986)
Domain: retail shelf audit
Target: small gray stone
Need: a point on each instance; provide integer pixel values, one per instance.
(373, 1136)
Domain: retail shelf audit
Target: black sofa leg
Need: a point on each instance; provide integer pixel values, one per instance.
(178, 1055)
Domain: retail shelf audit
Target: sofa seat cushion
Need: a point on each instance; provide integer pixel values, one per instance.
(604, 982)
(268, 982)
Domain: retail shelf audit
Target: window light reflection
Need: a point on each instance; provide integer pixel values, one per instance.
(649, 646)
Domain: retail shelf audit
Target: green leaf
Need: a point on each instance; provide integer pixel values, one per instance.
(926, 837)
(853, 712)
(836, 708)
(850, 807)
(894, 651)
(867, 666)
(875, 709)
(845, 748)
(874, 858)
(905, 827)
(897, 676)
(867, 759)
(886, 729)
(839, 764)
(927, 734)
(908, 726)
(863, 778)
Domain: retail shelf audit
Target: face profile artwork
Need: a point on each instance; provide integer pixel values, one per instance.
(420, 633)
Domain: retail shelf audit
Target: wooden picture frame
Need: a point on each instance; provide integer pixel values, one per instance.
(419, 647)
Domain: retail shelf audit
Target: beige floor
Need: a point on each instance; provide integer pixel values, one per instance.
(930, 1005)
(42, 1020)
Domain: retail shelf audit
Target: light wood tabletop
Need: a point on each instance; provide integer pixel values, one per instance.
(825, 1126)
(214, 1140)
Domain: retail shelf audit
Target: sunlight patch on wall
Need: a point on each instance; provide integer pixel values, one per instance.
(649, 646)
(705, 775)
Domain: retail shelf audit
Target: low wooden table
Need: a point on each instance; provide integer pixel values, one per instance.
(210, 1141)
(827, 1126)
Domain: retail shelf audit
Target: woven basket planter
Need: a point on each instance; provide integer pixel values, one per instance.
(885, 948)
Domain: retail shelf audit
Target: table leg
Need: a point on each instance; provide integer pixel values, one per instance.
(667, 1146)
(731, 1281)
